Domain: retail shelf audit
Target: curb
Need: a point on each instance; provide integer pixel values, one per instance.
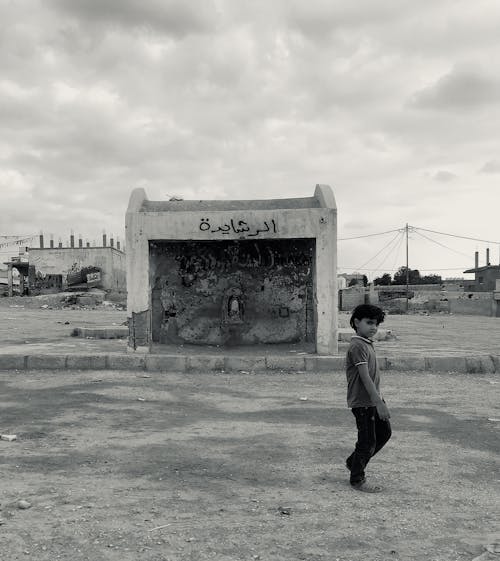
(479, 364)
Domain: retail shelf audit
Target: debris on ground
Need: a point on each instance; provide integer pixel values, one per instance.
(8, 437)
(23, 505)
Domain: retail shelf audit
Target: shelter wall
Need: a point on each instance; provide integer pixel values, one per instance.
(191, 282)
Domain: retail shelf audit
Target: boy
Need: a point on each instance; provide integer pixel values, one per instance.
(363, 395)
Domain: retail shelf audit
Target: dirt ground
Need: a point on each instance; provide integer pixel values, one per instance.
(25, 327)
(121, 466)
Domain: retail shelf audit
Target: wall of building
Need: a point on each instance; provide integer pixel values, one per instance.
(61, 261)
(351, 297)
(193, 283)
(474, 303)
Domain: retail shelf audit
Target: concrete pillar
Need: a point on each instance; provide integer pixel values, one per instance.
(60, 243)
(21, 284)
(111, 242)
(88, 244)
(72, 241)
(488, 256)
(104, 240)
(476, 260)
(117, 244)
(326, 296)
(51, 242)
(80, 241)
(41, 241)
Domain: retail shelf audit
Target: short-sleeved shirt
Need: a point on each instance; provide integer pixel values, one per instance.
(360, 351)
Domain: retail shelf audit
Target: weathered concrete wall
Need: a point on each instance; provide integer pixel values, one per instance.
(192, 283)
(313, 218)
(55, 261)
(352, 297)
(474, 303)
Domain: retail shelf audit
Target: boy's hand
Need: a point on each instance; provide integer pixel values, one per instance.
(383, 411)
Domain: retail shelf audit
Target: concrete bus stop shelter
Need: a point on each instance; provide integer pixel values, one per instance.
(159, 231)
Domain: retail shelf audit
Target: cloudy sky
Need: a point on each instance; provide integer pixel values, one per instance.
(394, 103)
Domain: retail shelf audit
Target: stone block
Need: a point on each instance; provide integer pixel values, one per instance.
(446, 364)
(166, 363)
(12, 362)
(479, 364)
(107, 332)
(324, 363)
(86, 362)
(236, 363)
(46, 362)
(285, 363)
(407, 363)
(126, 362)
(205, 363)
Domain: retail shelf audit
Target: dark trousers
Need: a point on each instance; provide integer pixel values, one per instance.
(373, 434)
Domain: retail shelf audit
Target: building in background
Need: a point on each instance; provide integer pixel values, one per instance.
(75, 267)
(485, 276)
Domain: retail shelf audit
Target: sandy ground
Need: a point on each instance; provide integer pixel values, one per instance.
(129, 466)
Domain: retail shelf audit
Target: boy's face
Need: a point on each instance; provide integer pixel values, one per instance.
(366, 327)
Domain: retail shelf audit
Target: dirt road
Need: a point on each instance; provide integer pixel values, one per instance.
(120, 466)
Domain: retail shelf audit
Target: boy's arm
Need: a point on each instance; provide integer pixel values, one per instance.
(382, 409)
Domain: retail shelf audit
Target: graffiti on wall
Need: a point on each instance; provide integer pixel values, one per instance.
(193, 264)
(234, 226)
(242, 291)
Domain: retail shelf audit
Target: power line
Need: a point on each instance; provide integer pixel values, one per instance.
(399, 240)
(379, 252)
(438, 243)
(456, 236)
(368, 235)
(418, 228)
(397, 252)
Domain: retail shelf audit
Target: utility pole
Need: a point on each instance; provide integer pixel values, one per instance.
(407, 268)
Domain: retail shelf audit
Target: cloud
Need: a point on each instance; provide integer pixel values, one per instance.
(462, 88)
(444, 176)
(224, 99)
(492, 166)
(172, 17)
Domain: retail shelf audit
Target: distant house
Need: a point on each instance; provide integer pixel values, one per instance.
(352, 279)
(485, 277)
(52, 269)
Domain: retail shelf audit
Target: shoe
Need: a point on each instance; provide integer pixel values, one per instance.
(366, 487)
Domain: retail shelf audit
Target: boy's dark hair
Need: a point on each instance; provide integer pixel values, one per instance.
(367, 311)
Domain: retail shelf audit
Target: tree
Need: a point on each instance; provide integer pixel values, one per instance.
(431, 279)
(414, 277)
(400, 276)
(384, 280)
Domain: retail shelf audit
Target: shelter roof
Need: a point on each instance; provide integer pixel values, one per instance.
(218, 205)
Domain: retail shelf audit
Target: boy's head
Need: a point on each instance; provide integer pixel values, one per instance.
(365, 319)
